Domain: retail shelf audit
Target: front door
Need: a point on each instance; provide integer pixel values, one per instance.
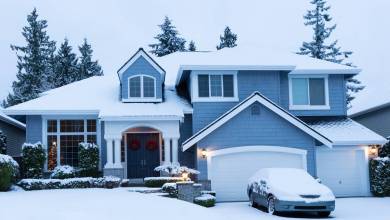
(142, 154)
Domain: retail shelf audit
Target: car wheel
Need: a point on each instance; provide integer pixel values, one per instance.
(271, 205)
(323, 214)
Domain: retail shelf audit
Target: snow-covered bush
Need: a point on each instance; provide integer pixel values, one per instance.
(88, 160)
(9, 170)
(170, 188)
(204, 192)
(3, 143)
(63, 172)
(174, 169)
(33, 159)
(384, 151)
(205, 200)
(71, 183)
(160, 181)
(125, 183)
(380, 176)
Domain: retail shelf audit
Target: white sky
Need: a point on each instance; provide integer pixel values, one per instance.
(117, 28)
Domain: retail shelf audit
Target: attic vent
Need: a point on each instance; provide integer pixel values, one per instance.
(255, 109)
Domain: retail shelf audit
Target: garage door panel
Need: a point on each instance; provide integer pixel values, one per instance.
(229, 173)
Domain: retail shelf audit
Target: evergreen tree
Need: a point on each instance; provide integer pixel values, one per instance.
(168, 41)
(228, 39)
(65, 68)
(319, 18)
(3, 143)
(33, 58)
(87, 67)
(191, 46)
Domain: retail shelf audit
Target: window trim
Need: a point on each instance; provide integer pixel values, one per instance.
(142, 98)
(309, 107)
(195, 90)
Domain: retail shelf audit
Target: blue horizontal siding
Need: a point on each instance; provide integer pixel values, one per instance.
(33, 128)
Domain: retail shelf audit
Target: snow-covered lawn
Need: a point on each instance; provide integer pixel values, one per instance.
(120, 203)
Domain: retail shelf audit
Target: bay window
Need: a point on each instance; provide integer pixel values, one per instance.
(308, 93)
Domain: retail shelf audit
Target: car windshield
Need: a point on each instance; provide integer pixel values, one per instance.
(288, 177)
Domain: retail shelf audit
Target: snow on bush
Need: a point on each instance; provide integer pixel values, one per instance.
(174, 169)
(88, 160)
(380, 176)
(205, 200)
(63, 172)
(160, 181)
(170, 188)
(85, 182)
(213, 193)
(3, 143)
(9, 170)
(33, 159)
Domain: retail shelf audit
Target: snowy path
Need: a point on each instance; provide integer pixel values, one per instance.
(104, 204)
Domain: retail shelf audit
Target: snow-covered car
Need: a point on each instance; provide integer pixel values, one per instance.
(289, 190)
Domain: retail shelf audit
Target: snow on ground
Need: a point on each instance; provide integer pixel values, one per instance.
(103, 204)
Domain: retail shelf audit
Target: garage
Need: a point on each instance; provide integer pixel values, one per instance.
(229, 169)
(344, 170)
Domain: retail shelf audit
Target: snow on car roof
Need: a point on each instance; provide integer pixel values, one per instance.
(345, 131)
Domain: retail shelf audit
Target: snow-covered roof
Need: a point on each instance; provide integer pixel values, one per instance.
(246, 58)
(346, 131)
(99, 95)
(7, 119)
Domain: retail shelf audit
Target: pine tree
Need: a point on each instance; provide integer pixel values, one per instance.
(87, 67)
(191, 46)
(33, 58)
(168, 41)
(65, 68)
(319, 18)
(228, 39)
(3, 143)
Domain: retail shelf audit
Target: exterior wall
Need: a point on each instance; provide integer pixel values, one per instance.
(141, 66)
(15, 138)
(188, 157)
(246, 129)
(378, 121)
(103, 145)
(33, 128)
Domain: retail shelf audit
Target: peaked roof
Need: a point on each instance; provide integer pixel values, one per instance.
(9, 120)
(255, 97)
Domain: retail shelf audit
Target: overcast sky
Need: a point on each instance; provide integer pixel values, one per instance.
(117, 29)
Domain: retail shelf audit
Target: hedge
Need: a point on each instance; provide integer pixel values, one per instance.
(33, 158)
(380, 176)
(9, 171)
(88, 160)
(160, 181)
(205, 200)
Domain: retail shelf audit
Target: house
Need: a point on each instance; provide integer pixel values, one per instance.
(15, 132)
(375, 117)
(226, 113)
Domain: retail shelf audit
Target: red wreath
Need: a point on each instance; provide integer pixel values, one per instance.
(151, 145)
(134, 144)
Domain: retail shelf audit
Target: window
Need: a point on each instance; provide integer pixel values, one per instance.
(308, 93)
(142, 87)
(63, 138)
(219, 86)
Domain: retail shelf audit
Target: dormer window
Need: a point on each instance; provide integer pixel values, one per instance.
(309, 93)
(142, 87)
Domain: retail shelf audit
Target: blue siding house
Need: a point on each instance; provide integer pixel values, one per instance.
(226, 113)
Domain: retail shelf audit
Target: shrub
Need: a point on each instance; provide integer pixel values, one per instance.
(33, 158)
(88, 160)
(160, 181)
(205, 200)
(171, 189)
(174, 169)
(384, 151)
(9, 171)
(213, 193)
(63, 172)
(125, 183)
(3, 143)
(380, 176)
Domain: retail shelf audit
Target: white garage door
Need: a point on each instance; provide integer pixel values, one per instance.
(344, 171)
(229, 169)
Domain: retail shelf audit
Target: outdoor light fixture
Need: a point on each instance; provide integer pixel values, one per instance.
(373, 151)
(184, 175)
(204, 153)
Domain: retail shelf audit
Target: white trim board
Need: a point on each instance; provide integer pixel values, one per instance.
(255, 97)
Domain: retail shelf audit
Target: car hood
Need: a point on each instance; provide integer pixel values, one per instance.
(304, 192)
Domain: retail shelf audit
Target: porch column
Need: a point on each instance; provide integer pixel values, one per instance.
(175, 152)
(109, 163)
(117, 148)
(167, 150)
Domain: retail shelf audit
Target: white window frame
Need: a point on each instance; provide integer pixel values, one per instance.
(142, 98)
(309, 107)
(195, 90)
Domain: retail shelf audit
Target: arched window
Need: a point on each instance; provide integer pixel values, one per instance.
(142, 86)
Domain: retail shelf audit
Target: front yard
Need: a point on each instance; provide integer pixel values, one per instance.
(119, 203)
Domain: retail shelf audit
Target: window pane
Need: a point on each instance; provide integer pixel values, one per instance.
(72, 125)
(135, 86)
(228, 86)
(52, 126)
(203, 85)
(52, 152)
(317, 91)
(148, 87)
(299, 91)
(215, 85)
(70, 149)
(91, 139)
(91, 125)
